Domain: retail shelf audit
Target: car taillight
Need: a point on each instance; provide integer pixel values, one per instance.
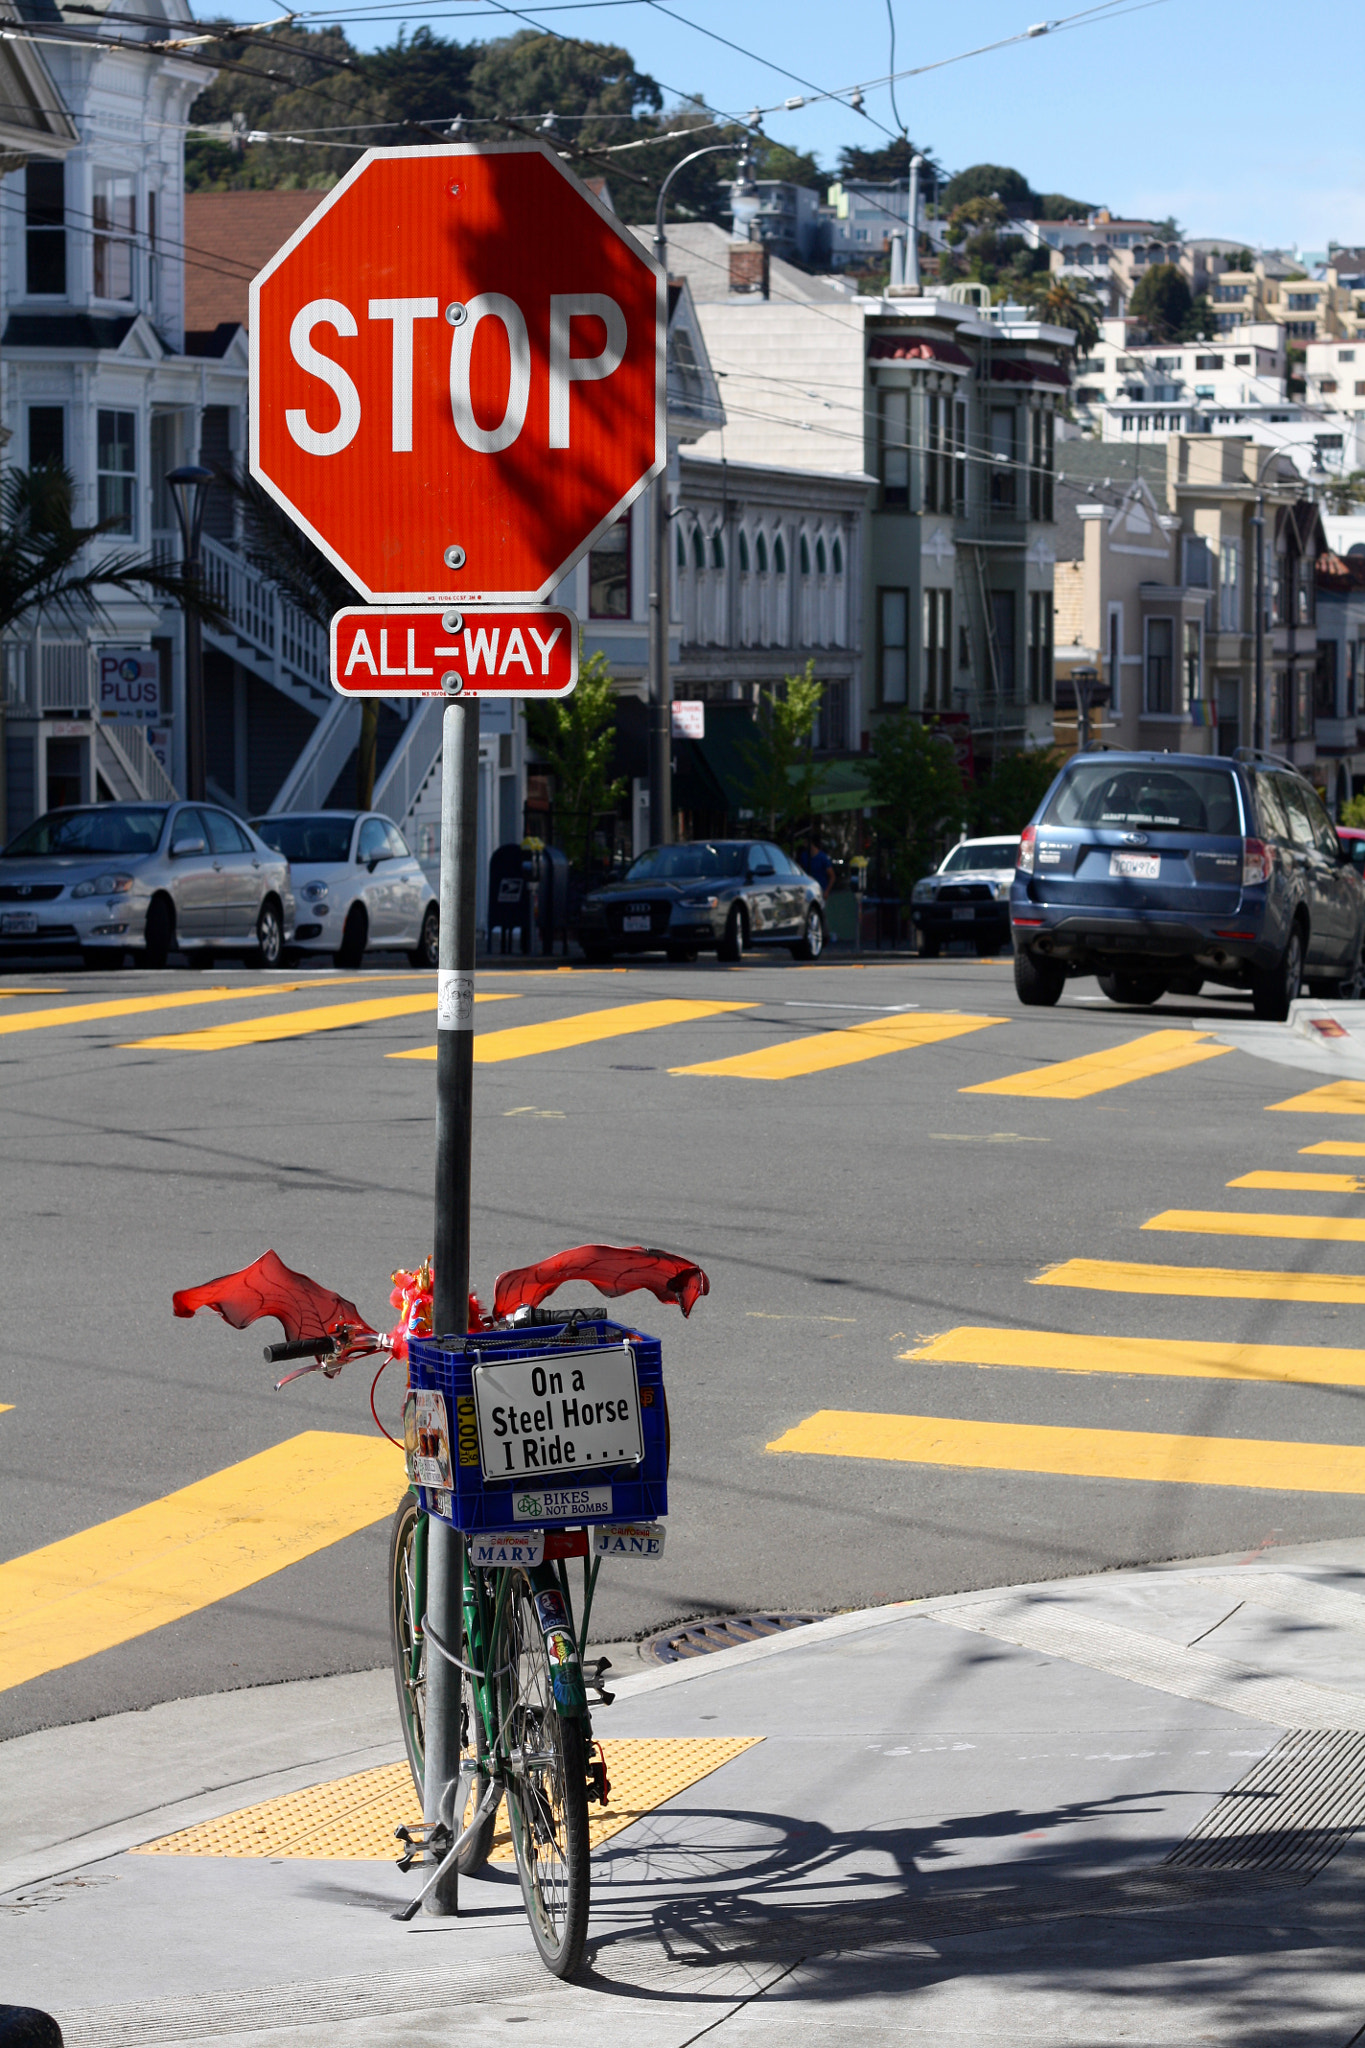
(1255, 863)
(1024, 858)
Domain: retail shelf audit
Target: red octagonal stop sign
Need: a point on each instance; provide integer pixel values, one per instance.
(457, 372)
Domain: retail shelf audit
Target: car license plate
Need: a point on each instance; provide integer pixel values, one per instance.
(18, 922)
(968, 914)
(563, 1412)
(635, 924)
(1141, 867)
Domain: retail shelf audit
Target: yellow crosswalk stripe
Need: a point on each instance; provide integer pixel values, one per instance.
(586, 1027)
(1333, 1148)
(1079, 1453)
(109, 1584)
(1304, 1183)
(136, 1006)
(1338, 1098)
(824, 1049)
(302, 1023)
(1205, 1283)
(1183, 1358)
(32, 991)
(1228, 1223)
(1156, 1052)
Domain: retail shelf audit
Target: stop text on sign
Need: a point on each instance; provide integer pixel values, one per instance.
(458, 373)
(444, 651)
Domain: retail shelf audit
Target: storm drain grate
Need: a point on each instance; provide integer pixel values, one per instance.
(1290, 1813)
(699, 1638)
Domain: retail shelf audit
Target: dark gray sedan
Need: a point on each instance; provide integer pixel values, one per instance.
(721, 895)
(114, 878)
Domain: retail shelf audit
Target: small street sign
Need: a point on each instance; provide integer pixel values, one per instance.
(438, 651)
(457, 372)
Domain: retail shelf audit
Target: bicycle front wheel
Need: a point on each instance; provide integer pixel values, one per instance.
(407, 1603)
(547, 1790)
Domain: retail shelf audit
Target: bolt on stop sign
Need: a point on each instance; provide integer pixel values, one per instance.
(457, 373)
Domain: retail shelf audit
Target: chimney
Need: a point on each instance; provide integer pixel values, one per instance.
(897, 263)
(749, 267)
(912, 247)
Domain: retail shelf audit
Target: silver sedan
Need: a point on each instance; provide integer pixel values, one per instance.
(146, 878)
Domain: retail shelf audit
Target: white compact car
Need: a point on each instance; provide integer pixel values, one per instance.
(356, 885)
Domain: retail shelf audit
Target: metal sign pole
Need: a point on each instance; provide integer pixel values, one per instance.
(450, 1305)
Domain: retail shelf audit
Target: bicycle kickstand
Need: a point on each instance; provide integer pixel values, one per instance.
(460, 1787)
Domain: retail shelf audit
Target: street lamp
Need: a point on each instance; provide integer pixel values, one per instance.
(189, 487)
(661, 752)
(1258, 522)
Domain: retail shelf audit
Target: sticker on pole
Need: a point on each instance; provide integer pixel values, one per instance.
(454, 651)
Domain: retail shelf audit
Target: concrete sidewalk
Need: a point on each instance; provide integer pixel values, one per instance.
(956, 1823)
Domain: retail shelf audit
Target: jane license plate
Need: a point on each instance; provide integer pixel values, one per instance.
(1141, 867)
(567, 1412)
(18, 923)
(635, 924)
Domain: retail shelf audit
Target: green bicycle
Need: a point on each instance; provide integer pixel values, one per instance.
(525, 1728)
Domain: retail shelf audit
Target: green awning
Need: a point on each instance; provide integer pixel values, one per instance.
(839, 786)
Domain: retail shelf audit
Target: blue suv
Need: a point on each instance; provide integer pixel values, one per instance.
(1160, 872)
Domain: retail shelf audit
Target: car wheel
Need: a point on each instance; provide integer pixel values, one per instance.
(1351, 989)
(159, 934)
(930, 946)
(1273, 989)
(107, 957)
(269, 944)
(1140, 989)
(1037, 983)
(813, 944)
(427, 952)
(1185, 984)
(351, 951)
(736, 936)
(681, 956)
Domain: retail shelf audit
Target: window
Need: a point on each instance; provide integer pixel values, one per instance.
(1042, 431)
(1279, 592)
(225, 834)
(895, 451)
(114, 208)
(1208, 362)
(698, 549)
(397, 844)
(894, 619)
(609, 573)
(1040, 647)
(1198, 563)
(1115, 656)
(837, 556)
(1327, 384)
(1230, 587)
(938, 650)
(761, 554)
(1003, 485)
(1302, 302)
(821, 555)
(45, 230)
(1346, 355)
(1193, 663)
(779, 554)
(1002, 635)
(46, 435)
(743, 552)
(717, 549)
(1305, 590)
(1159, 692)
(1241, 362)
(1279, 706)
(1360, 388)
(1325, 680)
(680, 549)
(373, 841)
(803, 554)
(116, 465)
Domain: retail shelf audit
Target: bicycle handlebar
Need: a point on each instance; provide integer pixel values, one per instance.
(302, 1347)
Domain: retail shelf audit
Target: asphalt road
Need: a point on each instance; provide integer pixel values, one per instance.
(844, 1216)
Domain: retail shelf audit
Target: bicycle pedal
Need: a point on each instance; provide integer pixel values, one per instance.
(595, 1669)
(600, 1697)
(423, 1843)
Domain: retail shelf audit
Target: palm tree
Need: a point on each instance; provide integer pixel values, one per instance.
(44, 567)
(284, 553)
(1063, 303)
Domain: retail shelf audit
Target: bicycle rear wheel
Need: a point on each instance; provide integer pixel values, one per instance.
(406, 1589)
(547, 1790)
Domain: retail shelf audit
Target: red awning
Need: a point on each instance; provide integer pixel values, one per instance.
(1015, 371)
(888, 348)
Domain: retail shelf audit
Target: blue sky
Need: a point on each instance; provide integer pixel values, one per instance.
(1173, 107)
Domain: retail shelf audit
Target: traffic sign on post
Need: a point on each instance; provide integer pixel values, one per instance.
(457, 372)
(434, 651)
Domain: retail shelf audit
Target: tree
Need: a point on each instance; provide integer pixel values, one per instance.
(1162, 300)
(883, 166)
(779, 754)
(914, 782)
(44, 565)
(983, 181)
(1061, 302)
(974, 216)
(1056, 206)
(577, 736)
(1353, 812)
(1200, 323)
(1004, 799)
(1345, 494)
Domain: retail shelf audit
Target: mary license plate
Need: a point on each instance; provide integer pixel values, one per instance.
(635, 924)
(570, 1411)
(19, 923)
(1142, 867)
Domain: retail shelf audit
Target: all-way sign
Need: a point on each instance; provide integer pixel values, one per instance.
(448, 651)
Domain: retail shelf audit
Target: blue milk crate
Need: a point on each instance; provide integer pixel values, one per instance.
(553, 1498)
